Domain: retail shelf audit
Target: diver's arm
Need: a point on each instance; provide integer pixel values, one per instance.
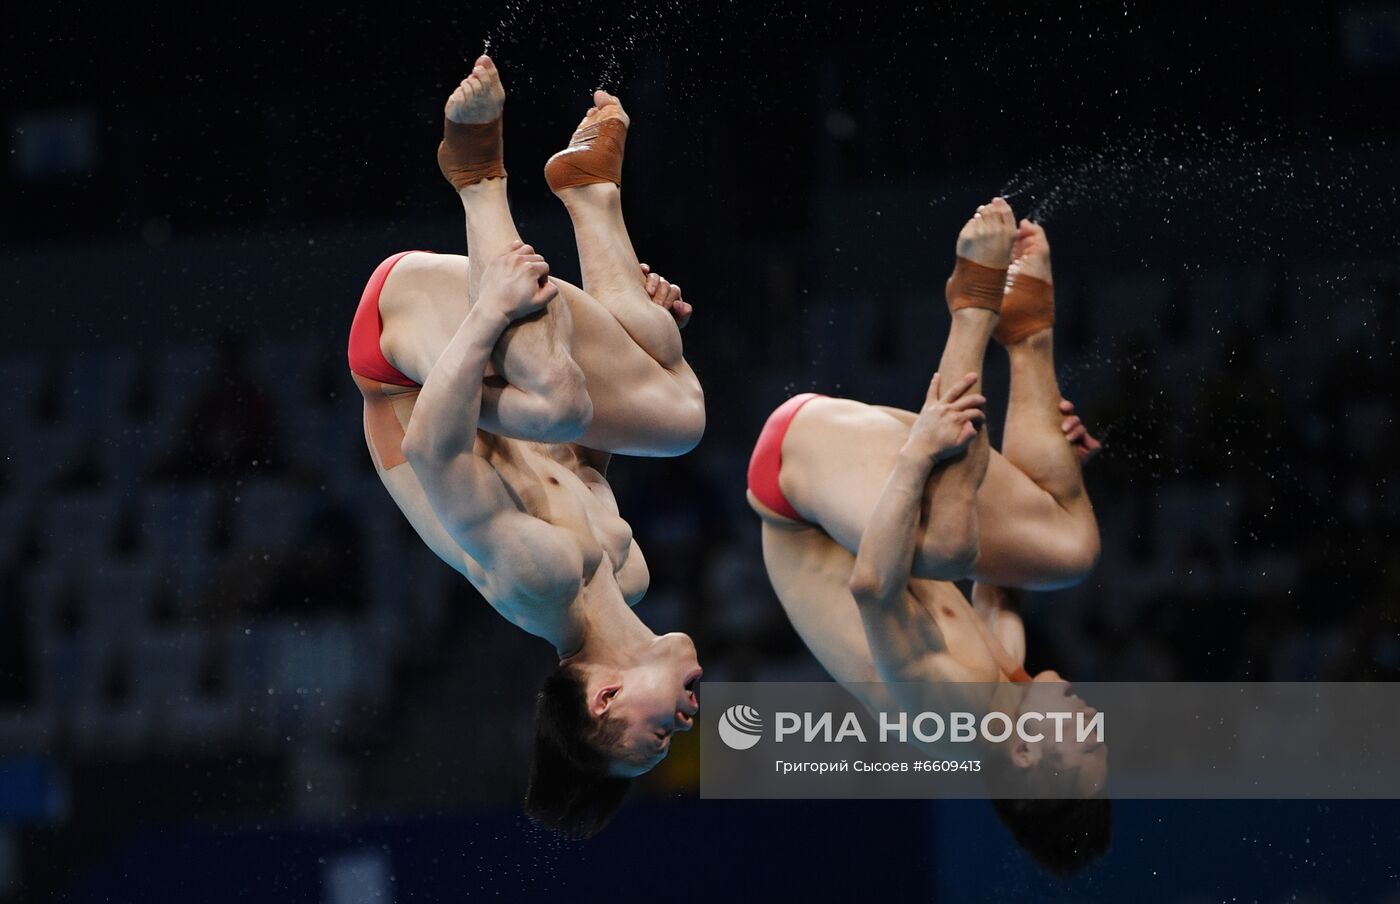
(904, 640)
(886, 555)
(465, 491)
(885, 559)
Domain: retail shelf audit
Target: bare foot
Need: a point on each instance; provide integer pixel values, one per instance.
(1085, 446)
(481, 96)
(986, 238)
(605, 106)
(594, 154)
(1030, 253)
(668, 296)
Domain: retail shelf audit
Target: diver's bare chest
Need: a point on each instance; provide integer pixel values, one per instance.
(962, 630)
(543, 486)
(556, 487)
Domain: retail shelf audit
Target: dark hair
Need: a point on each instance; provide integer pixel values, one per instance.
(571, 790)
(1063, 836)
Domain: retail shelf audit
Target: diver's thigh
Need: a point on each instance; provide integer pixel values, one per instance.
(1026, 539)
(837, 457)
(811, 576)
(639, 407)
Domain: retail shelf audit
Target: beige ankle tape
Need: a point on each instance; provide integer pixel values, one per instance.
(1028, 308)
(596, 157)
(975, 286)
(471, 152)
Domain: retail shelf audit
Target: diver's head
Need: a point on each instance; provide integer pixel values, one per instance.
(1060, 762)
(1050, 791)
(643, 703)
(598, 725)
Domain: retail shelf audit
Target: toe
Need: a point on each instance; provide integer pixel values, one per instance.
(1002, 211)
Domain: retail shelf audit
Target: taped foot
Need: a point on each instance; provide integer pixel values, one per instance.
(594, 154)
(471, 150)
(984, 253)
(1029, 305)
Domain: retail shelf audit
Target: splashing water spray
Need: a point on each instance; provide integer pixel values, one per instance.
(518, 15)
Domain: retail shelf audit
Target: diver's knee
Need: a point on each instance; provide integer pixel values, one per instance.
(564, 409)
(950, 556)
(688, 425)
(1073, 560)
(668, 419)
(1082, 557)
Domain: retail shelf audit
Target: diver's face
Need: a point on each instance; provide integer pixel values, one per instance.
(1081, 763)
(656, 699)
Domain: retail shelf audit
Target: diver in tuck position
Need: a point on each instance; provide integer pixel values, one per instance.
(494, 396)
(870, 513)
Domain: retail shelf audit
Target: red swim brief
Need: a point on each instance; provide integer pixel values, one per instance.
(767, 459)
(366, 358)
